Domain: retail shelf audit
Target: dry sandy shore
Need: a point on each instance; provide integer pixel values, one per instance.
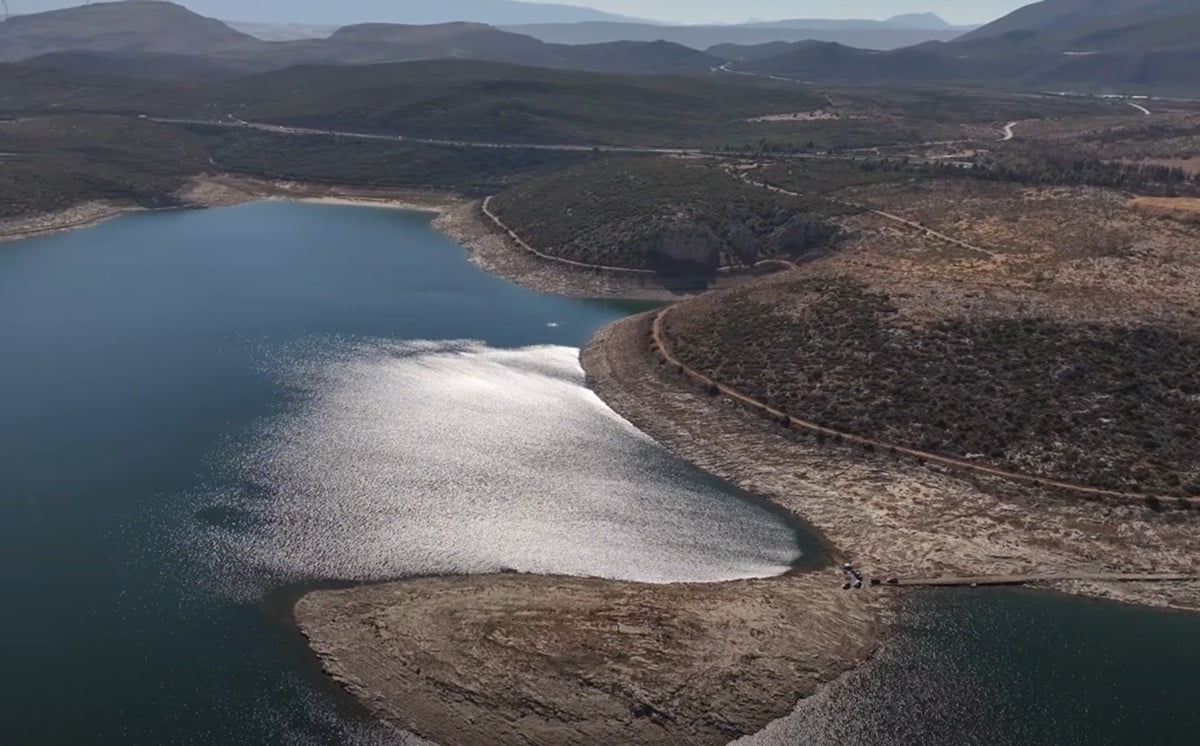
(890, 516)
(226, 191)
(516, 659)
(73, 218)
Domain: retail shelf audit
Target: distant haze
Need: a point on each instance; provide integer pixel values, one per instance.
(718, 11)
(678, 11)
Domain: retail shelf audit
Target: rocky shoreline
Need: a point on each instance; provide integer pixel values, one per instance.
(224, 190)
(891, 516)
(80, 216)
(492, 251)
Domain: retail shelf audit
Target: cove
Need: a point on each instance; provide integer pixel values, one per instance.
(203, 411)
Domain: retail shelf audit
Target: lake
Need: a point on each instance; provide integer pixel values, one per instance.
(207, 412)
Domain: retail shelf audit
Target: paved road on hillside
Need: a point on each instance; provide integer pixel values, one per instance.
(277, 129)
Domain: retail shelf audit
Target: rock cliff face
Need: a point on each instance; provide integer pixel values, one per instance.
(684, 248)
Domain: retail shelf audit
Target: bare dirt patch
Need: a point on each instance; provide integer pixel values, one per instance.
(1067, 252)
(1183, 209)
(550, 660)
(820, 115)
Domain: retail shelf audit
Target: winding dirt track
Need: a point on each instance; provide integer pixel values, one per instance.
(278, 129)
(487, 210)
(663, 349)
(504, 228)
(931, 233)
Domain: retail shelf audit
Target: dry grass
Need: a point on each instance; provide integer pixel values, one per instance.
(1183, 209)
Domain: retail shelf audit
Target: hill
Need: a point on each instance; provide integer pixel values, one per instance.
(146, 65)
(490, 102)
(411, 13)
(135, 32)
(134, 26)
(672, 216)
(1100, 45)
(1054, 22)
(890, 34)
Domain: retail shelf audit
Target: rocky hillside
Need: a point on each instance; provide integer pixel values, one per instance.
(673, 216)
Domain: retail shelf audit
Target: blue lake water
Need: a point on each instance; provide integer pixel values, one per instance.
(204, 412)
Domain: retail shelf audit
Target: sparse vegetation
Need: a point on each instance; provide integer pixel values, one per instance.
(1111, 407)
(667, 214)
(54, 163)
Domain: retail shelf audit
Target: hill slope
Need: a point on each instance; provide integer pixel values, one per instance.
(867, 34)
(135, 26)
(1053, 22)
(138, 32)
(408, 12)
(1105, 45)
(490, 102)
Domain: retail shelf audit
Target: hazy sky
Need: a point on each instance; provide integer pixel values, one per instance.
(688, 11)
(955, 11)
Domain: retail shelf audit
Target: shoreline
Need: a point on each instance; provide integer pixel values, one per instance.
(211, 191)
(461, 219)
(497, 251)
(463, 660)
(892, 517)
(78, 217)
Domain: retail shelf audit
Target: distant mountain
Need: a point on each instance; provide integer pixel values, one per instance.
(282, 31)
(638, 58)
(406, 12)
(141, 26)
(160, 39)
(1054, 22)
(901, 31)
(379, 42)
(919, 20)
(923, 21)
(1098, 45)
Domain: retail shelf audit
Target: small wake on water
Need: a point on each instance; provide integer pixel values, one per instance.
(415, 458)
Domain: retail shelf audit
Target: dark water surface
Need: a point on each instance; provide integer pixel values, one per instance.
(201, 410)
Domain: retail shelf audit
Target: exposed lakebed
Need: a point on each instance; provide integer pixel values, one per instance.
(203, 410)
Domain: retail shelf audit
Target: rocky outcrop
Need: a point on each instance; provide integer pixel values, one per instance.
(684, 248)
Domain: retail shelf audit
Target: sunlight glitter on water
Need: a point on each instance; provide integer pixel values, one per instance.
(428, 457)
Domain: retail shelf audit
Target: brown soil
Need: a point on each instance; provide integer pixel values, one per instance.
(1064, 253)
(525, 660)
(1183, 209)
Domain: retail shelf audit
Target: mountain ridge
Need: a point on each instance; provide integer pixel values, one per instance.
(1096, 45)
(154, 30)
